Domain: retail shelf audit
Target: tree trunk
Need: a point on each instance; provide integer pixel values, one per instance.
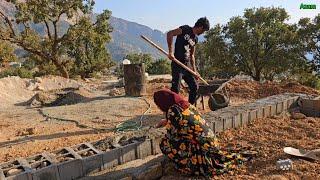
(257, 76)
(64, 72)
(62, 69)
(135, 80)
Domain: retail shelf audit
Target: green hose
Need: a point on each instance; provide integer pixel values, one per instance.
(127, 126)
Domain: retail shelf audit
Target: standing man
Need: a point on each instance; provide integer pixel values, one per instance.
(184, 52)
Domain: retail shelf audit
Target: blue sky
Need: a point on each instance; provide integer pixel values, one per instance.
(168, 14)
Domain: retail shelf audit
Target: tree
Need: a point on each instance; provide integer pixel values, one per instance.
(214, 56)
(160, 66)
(50, 46)
(86, 44)
(309, 33)
(6, 53)
(259, 44)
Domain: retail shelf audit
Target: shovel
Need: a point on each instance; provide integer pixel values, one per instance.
(216, 104)
(314, 154)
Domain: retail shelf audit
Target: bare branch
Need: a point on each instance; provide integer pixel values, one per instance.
(48, 29)
(26, 47)
(8, 21)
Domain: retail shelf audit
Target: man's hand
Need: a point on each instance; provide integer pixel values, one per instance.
(162, 123)
(171, 56)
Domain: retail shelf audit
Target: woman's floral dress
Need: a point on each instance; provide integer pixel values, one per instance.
(191, 145)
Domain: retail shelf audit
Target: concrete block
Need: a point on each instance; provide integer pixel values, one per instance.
(90, 156)
(285, 105)
(47, 173)
(70, 166)
(111, 158)
(92, 164)
(260, 112)
(128, 153)
(244, 118)
(144, 149)
(252, 115)
(228, 123)
(43, 167)
(236, 121)
(279, 107)
(14, 170)
(218, 125)
(155, 142)
(70, 169)
(25, 175)
(273, 109)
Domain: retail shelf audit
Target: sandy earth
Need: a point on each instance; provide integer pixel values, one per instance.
(24, 131)
(269, 137)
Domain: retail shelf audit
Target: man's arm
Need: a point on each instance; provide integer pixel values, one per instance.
(170, 36)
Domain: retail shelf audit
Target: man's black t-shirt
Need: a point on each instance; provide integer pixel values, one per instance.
(183, 44)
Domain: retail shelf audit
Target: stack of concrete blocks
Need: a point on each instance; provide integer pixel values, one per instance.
(75, 162)
(80, 160)
(240, 116)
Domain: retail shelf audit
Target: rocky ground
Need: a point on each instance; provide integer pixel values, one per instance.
(49, 113)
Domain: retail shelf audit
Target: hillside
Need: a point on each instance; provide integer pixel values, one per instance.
(125, 36)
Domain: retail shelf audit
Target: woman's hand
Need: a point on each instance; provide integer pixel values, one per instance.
(162, 123)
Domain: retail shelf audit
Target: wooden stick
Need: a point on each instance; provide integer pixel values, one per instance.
(175, 60)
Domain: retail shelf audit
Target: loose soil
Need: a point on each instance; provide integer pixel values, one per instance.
(26, 130)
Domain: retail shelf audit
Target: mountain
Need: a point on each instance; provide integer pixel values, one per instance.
(125, 36)
(126, 39)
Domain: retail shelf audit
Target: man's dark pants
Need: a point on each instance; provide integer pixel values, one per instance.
(179, 73)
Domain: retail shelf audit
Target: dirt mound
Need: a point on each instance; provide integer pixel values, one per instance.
(14, 90)
(72, 97)
(59, 97)
(49, 83)
(257, 90)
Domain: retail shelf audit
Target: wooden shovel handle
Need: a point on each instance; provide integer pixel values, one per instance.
(175, 60)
